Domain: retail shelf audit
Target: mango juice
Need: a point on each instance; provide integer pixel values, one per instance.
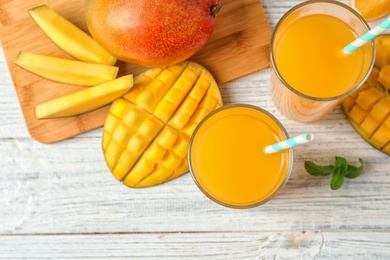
(311, 59)
(310, 72)
(227, 159)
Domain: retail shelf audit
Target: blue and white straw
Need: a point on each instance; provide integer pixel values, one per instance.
(289, 143)
(368, 36)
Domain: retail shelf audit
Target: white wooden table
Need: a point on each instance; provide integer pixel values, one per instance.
(60, 200)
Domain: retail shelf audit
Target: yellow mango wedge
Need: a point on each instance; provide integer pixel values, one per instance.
(69, 37)
(85, 100)
(147, 131)
(66, 71)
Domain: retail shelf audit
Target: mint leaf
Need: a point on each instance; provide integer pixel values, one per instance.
(354, 171)
(338, 171)
(319, 170)
(341, 166)
(337, 181)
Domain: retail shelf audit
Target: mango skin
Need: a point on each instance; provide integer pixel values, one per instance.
(151, 33)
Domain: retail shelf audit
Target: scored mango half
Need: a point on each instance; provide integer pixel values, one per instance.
(147, 131)
(369, 113)
(368, 109)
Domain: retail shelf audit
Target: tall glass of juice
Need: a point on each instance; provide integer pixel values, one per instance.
(310, 72)
(227, 160)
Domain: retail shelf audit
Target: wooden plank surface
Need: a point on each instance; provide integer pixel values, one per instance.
(59, 201)
(253, 245)
(50, 194)
(236, 48)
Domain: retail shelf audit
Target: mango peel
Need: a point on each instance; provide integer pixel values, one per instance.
(147, 131)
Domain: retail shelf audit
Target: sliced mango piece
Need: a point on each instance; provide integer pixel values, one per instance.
(161, 112)
(66, 71)
(84, 100)
(69, 37)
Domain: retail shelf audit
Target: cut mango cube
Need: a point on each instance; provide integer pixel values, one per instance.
(348, 103)
(368, 98)
(369, 125)
(384, 76)
(381, 137)
(382, 40)
(85, 100)
(381, 109)
(357, 114)
(69, 37)
(382, 57)
(157, 116)
(66, 71)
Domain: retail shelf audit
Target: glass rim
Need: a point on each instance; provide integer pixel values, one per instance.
(264, 112)
(274, 67)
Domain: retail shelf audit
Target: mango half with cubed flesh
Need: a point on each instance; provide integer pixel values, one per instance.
(368, 109)
(147, 131)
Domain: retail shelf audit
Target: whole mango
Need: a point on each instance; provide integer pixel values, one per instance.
(147, 131)
(152, 33)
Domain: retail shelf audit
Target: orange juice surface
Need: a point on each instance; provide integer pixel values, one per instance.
(311, 60)
(227, 159)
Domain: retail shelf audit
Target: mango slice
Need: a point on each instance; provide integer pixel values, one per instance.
(368, 109)
(69, 37)
(147, 131)
(85, 100)
(66, 71)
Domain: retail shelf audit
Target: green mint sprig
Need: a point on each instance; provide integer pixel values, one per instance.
(339, 171)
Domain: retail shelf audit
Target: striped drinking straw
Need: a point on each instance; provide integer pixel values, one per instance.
(289, 143)
(368, 36)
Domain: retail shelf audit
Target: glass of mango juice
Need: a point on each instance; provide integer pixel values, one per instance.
(227, 160)
(310, 73)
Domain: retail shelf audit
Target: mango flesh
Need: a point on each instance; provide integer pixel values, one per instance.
(149, 32)
(382, 44)
(371, 10)
(66, 71)
(84, 100)
(368, 109)
(69, 37)
(147, 131)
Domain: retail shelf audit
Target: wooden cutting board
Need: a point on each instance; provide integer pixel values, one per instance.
(238, 46)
